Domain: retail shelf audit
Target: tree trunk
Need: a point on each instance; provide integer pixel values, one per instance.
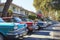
(6, 7)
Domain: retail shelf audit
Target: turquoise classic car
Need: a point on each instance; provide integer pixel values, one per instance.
(12, 30)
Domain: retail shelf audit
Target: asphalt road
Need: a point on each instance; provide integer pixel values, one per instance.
(38, 35)
(42, 34)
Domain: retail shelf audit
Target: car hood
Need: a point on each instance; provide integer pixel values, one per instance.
(21, 25)
(12, 24)
(6, 24)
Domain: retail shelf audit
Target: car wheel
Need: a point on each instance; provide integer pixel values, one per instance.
(39, 27)
(1, 37)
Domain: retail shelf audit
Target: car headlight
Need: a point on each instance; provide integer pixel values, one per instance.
(45, 22)
(16, 27)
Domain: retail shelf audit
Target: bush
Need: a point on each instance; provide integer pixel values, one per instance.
(33, 17)
(10, 13)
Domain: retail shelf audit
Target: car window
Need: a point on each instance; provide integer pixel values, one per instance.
(29, 20)
(24, 19)
(17, 19)
(54, 25)
(1, 20)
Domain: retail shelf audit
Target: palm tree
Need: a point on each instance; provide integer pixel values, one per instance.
(6, 7)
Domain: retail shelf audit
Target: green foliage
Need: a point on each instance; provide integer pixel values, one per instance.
(33, 17)
(47, 7)
(10, 13)
(40, 4)
(56, 4)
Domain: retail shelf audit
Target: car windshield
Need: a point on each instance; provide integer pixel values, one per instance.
(26, 20)
(1, 20)
(17, 19)
(47, 19)
(23, 19)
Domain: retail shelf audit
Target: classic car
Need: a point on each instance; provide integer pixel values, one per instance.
(47, 22)
(51, 21)
(54, 30)
(30, 24)
(12, 30)
(43, 24)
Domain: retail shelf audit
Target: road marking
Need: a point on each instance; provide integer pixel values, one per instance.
(41, 36)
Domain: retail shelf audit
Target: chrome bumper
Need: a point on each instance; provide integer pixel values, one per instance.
(17, 34)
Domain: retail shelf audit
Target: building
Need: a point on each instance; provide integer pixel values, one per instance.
(17, 10)
(0, 1)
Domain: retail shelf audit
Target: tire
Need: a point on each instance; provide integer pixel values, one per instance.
(1, 37)
(39, 27)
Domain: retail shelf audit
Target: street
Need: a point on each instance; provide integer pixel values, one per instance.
(45, 34)
(30, 20)
(40, 35)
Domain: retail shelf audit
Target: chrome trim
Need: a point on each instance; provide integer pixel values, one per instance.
(19, 29)
(23, 34)
(12, 34)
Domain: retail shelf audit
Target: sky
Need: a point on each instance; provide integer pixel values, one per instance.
(26, 4)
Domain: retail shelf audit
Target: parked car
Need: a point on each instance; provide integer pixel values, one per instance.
(47, 22)
(43, 24)
(12, 30)
(54, 27)
(30, 23)
(51, 21)
(54, 30)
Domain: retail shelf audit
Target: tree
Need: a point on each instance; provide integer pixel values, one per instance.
(6, 7)
(48, 9)
(42, 5)
(56, 4)
(10, 13)
(33, 17)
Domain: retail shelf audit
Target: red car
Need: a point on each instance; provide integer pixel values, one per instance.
(29, 24)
